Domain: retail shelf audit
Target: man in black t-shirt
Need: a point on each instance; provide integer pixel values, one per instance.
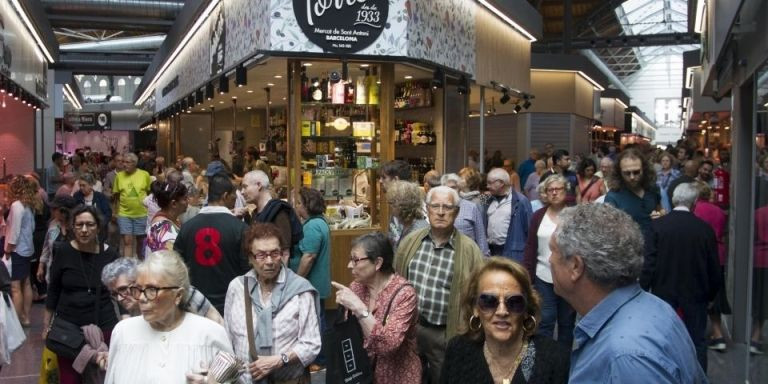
(211, 243)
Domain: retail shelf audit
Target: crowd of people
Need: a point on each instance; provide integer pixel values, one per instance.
(601, 268)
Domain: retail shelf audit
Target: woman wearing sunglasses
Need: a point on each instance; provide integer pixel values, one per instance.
(166, 344)
(500, 309)
(554, 309)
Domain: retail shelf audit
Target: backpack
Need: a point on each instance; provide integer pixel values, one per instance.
(273, 208)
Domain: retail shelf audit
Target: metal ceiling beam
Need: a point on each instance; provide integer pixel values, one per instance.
(605, 7)
(143, 24)
(103, 63)
(626, 41)
(166, 9)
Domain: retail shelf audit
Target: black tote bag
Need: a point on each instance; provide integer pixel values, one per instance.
(347, 360)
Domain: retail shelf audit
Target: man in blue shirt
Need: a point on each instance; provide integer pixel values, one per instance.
(625, 334)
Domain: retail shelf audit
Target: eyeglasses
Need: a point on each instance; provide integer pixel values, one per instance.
(555, 189)
(87, 224)
(487, 302)
(636, 172)
(149, 292)
(355, 260)
(494, 181)
(123, 291)
(274, 254)
(443, 207)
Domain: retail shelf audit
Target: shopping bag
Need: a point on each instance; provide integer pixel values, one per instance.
(13, 333)
(347, 360)
(49, 368)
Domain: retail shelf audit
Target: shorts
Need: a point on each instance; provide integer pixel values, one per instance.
(136, 226)
(20, 266)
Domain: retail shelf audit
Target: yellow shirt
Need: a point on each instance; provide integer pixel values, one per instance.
(132, 190)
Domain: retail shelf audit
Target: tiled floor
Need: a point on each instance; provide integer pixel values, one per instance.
(26, 361)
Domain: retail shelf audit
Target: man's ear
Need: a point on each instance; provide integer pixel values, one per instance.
(576, 268)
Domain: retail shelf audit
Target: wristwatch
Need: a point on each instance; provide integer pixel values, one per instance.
(284, 358)
(364, 314)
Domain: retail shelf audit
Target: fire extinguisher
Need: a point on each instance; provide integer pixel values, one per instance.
(720, 189)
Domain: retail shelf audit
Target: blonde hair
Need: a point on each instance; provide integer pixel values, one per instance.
(25, 191)
(407, 197)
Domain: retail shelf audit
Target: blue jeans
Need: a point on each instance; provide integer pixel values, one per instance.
(555, 310)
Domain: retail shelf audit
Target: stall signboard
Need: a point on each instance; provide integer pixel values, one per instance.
(342, 26)
(89, 121)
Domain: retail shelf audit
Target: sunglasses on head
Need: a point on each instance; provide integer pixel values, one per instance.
(487, 302)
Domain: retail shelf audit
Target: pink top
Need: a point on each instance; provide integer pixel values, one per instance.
(716, 219)
(393, 346)
(593, 192)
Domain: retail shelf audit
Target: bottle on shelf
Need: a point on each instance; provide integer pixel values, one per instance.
(315, 90)
(373, 87)
(304, 86)
(361, 94)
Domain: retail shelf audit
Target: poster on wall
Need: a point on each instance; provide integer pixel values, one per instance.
(342, 26)
(19, 59)
(218, 41)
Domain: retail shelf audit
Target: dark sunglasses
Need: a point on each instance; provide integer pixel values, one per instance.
(487, 302)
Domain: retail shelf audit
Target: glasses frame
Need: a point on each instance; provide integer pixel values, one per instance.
(136, 292)
(88, 225)
(552, 190)
(355, 260)
(636, 172)
(126, 292)
(508, 303)
(274, 255)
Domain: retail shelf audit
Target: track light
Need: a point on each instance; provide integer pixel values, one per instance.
(504, 96)
(223, 84)
(437, 78)
(463, 87)
(190, 101)
(2, 85)
(527, 103)
(241, 76)
(209, 91)
(518, 108)
(198, 97)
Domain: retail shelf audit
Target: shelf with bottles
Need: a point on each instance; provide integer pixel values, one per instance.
(413, 94)
(419, 166)
(328, 87)
(416, 133)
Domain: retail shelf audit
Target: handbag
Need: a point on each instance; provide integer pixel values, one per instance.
(65, 338)
(347, 360)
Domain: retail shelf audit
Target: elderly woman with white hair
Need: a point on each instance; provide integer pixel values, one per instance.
(166, 343)
(119, 275)
(470, 219)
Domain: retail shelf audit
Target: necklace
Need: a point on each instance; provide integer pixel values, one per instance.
(498, 372)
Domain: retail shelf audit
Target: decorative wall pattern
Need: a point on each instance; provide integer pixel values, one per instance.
(443, 32)
(247, 29)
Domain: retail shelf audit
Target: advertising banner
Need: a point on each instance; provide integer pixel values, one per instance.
(89, 121)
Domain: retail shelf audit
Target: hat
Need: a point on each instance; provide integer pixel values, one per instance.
(63, 201)
(215, 167)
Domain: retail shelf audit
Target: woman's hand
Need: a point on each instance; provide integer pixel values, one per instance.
(263, 366)
(101, 359)
(346, 298)
(45, 333)
(41, 272)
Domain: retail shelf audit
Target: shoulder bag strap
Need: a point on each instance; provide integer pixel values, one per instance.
(591, 183)
(389, 306)
(249, 320)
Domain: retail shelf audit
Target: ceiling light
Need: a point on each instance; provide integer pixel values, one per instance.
(364, 65)
(518, 108)
(223, 84)
(221, 102)
(241, 76)
(209, 91)
(198, 97)
(408, 77)
(247, 107)
(504, 97)
(506, 18)
(307, 64)
(278, 76)
(527, 103)
(463, 87)
(32, 30)
(285, 98)
(249, 91)
(270, 84)
(437, 79)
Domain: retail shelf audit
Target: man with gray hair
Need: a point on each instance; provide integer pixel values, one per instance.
(129, 189)
(508, 217)
(439, 261)
(470, 220)
(255, 189)
(625, 334)
(684, 270)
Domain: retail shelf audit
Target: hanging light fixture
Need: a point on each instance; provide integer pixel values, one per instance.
(437, 78)
(223, 84)
(241, 76)
(504, 96)
(209, 91)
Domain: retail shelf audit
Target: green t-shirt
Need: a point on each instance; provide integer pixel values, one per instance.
(132, 190)
(317, 239)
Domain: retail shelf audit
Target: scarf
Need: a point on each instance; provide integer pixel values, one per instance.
(288, 285)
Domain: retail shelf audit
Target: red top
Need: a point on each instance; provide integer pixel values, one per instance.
(393, 347)
(714, 216)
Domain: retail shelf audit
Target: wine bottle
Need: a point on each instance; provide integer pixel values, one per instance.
(304, 86)
(361, 95)
(316, 90)
(325, 89)
(373, 87)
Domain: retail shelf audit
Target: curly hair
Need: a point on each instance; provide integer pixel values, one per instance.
(406, 196)
(25, 191)
(584, 164)
(648, 180)
(261, 231)
(472, 179)
(520, 274)
(312, 200)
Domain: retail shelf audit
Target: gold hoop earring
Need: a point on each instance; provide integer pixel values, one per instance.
(479, 323)
(532, 327)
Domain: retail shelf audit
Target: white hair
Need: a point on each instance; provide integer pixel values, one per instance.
(169, 265)
(685, 195)
(499, 174)
(446, 190)
(448, 177)
(259, 177)
(130, 156)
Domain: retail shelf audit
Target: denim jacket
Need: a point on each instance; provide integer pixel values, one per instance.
(517, 233)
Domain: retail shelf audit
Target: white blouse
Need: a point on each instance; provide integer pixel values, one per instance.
(140, 354)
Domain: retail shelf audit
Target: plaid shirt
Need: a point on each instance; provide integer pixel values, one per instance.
(431, 272)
